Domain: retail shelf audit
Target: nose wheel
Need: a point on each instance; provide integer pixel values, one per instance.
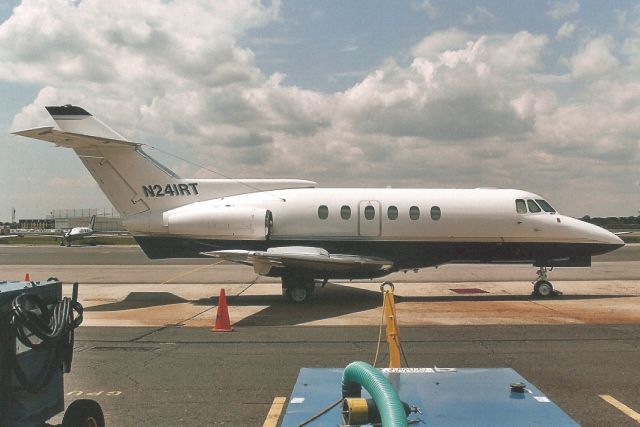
(542, 287)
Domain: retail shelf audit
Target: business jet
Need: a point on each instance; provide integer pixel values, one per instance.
(290, 229)
(69, 236)
(85, 234)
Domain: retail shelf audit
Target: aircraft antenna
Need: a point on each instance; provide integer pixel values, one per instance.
(214, 172)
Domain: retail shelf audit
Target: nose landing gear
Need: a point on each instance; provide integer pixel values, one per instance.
(542, 287)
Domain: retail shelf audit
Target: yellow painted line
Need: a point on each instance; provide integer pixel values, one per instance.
(274, 413)
(621, 407)
(190, 272)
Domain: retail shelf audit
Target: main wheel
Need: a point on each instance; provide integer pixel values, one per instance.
(543, 288)
(83, 413)
(299, 294)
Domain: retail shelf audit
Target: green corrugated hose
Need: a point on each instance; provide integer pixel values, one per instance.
(388, 402)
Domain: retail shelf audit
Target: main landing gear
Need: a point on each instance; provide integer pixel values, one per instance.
(542, 287)
(298, 289)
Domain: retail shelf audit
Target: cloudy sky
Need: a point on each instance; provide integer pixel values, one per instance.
(537, 95)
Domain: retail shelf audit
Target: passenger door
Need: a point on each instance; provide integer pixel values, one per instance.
(369, 218)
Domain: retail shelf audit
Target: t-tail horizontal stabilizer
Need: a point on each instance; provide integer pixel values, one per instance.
(132, 180)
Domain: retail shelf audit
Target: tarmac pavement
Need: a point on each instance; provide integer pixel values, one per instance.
(146, 352)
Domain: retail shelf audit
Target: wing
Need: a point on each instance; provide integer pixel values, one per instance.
(314, 260)
(29, 234)
(105, 234)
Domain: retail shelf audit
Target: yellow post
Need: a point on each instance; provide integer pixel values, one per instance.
(393, 334)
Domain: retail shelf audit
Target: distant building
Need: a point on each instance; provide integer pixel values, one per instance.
(36, 224)
(106, 219)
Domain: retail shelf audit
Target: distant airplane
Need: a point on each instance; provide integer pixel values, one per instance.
(293, 230)
(76, 234)
(85, 234)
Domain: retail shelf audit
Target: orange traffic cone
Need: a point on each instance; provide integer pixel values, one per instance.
(223, 324)
(26, 277)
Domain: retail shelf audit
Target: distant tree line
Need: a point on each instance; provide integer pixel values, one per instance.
(614, 222)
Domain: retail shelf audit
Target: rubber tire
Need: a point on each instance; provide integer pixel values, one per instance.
(543, 289)
(299, 294)
(83, 413)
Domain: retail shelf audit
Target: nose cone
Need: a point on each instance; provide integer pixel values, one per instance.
(601, 240)
(606, 237)
(605, 240)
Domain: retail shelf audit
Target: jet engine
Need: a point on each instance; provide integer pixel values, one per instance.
(226, 222)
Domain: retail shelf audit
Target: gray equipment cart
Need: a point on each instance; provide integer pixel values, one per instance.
(36, 347)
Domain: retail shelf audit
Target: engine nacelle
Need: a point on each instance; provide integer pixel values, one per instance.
(225, 222)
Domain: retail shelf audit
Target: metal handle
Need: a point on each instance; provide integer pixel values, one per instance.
(389, 284)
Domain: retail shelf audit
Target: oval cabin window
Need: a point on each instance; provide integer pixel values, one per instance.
(414, 212)
(435, 213)
(392, 213)
(369, 212)
(323, 212)
(345, 212)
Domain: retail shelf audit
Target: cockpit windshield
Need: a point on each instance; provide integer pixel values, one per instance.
(545, 206)
(533, 207)
(528, 205)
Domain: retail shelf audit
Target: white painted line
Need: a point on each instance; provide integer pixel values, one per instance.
(274, 413)
(621, 407)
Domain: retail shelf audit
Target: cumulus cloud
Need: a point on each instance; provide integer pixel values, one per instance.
(595, 58)
(466, 109)
(429, 8)
(566, 30)
(458, 94)
(479, 15)
(561, 9)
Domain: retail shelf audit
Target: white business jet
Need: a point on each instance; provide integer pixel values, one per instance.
(303, 234)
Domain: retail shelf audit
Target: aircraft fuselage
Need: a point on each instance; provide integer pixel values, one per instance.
(414, 228)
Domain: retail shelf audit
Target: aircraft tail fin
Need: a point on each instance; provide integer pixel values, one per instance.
(92, 222)
(72, 119)
(132, 180)
(120, 167)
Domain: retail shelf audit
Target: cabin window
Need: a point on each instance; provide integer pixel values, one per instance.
(435, 213)
(414, 212)
(545, 206)
(533, 207)
(369, 212)
(392, 213)
(345, 212)
(521, 206)
(323, 212)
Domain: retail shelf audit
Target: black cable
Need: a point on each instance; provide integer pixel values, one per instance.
(404, 356)
(40, 329)
(321, 413)
(214, 171)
